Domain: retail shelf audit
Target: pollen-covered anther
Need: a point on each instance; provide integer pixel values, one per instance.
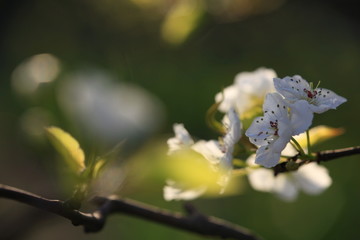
(310, 94)
(273, 124)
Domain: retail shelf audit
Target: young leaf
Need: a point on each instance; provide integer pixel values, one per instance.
(68, 147)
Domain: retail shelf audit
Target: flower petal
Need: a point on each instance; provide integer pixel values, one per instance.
(325, 100)
(285, 187)
(260, 179)
(301, 116)
(247, 91)
(259, 132)
(182, 138)
(172, 191)
(228, 98)
(267, 157)
(292, 88)
(289, 150)
(211, 150)
(232, 124)
(313, 178)
(275, 107)
(256, 83)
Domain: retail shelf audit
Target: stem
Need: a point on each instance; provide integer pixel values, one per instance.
(328, 155)
(308, 142)
(298, 147)
(322, 156)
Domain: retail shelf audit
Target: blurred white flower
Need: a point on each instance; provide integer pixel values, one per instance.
(174, 191)
(38, 69)
(232, 126)
(310, 178)
(217, 153)
(108, 111)
(298, 89)
(273, 131)
(182, 138)
(248, 91)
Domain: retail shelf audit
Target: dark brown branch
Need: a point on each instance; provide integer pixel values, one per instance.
(322, 156)
(194, 222)
(328, 155)
(91, 221)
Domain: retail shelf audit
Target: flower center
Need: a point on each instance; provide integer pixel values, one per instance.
(275, 126)
(310, 94)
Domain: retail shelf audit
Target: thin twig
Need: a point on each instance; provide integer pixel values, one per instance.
(328, 155)
(93, 222)
(322, 156)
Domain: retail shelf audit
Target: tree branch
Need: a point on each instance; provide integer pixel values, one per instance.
(328, 155)
(93, 222)
(322, 156)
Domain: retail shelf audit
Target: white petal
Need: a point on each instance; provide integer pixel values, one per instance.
(259, 132)
(262, 179)
(227, 160)
(182, 138)
(256, 83)
(301, 116)
(275, 107)
(279, 144)
(228, 98)
(251, 160)
(285, 187)
(313, 178)
(325, 100)
(289, 150)
(268, 156)
(211, 150)
(224, 180)
(292, 88)
(232, 124)
(265, 156)
(173, 192)
(182, 134)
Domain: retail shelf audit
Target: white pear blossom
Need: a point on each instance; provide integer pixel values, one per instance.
(174, 191)
(298, 89)
(271, 132)
(310, 178)
(218, 153)
(232, 125)
(248, 90)
(182, 138)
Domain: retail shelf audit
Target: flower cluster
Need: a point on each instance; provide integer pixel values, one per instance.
(248, 91)
(274, 112)
(311, 178)
(287, 113)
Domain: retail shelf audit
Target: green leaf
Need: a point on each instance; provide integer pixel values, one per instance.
(97, 164)
(68, 147)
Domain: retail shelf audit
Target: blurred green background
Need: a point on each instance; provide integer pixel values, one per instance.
(128, 69)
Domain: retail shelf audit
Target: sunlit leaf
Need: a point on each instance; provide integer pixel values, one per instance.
(181, 20)
(68, 147)
(319, 134)
(97, 164)
(192, 170)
